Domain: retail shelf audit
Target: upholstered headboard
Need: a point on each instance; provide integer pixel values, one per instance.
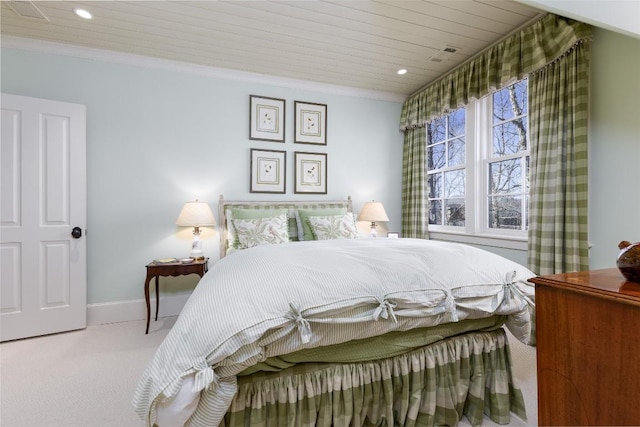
(290, 205)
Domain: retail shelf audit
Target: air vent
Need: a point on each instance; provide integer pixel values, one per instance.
(26, 9)
(443, 54)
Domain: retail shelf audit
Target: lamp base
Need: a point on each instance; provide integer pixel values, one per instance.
(374, 231)
(196, 246)
(196, 257)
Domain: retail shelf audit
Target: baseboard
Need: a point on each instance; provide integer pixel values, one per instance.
(126, 311)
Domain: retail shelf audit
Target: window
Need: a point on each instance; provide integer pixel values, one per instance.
(478, 167)
(446, 165)
(508, 192)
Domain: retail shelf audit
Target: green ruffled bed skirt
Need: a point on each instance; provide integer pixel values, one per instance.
(434, 385)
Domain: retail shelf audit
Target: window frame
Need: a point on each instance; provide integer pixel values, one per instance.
(478, 156)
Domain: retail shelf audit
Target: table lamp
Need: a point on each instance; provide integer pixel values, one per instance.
(373, 211)
(196, 214)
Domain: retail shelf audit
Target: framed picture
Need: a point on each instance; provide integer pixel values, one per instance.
(268, 171)
(310, 123)
(310, 173)
(393, 235)
(266, 118)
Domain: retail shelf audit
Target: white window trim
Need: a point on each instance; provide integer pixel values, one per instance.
(505, 242)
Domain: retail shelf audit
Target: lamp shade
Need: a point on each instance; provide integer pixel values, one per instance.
(374, 212)
(196, 214)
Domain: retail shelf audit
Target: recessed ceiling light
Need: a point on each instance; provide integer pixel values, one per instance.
(402, 71)
(82, 13)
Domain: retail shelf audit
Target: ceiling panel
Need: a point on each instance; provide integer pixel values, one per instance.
(354, 43)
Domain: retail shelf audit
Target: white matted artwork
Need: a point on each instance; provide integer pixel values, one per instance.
(310, 123)
(266, 118)
(268, 171)
(310, 173)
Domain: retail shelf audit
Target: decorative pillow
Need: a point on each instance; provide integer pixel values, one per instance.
(304, 231)
(239, 213)
(333, 227)
(261, 231)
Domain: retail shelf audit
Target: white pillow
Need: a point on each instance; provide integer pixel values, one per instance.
(261, 231)
(333, 227)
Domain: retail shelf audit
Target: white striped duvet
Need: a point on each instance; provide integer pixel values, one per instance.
(276, 299)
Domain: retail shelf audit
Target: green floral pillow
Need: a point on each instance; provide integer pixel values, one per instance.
(333, 227)
(239, 213)
(304, 231)
(261, 231)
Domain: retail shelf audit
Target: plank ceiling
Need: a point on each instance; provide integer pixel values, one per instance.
(353, 43)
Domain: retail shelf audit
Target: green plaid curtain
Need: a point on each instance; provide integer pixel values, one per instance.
(550, 40)
(558, 113)
(518, 55)
(414, 182)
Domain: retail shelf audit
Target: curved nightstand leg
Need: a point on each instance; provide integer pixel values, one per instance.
(157, 297)
(146, 298)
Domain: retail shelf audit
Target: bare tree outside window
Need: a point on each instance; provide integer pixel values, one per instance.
(508, 169)
(446, 157)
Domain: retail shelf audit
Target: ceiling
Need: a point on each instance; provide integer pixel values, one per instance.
(352, 43)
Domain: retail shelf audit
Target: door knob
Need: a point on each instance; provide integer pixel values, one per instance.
(76, 233)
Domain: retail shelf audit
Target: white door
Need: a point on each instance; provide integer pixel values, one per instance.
(43, 197)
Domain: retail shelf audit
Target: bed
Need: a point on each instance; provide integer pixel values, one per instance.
(303, 322)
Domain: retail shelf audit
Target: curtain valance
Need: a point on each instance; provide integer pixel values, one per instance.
(525, 51)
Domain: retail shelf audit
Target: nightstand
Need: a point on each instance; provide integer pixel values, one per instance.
(173, 269)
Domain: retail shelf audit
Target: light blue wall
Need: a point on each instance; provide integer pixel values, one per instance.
(614, 193)
(157, 138)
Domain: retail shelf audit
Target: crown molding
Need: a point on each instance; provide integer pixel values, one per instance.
(12, 42)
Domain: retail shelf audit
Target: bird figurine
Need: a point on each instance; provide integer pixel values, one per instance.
(629, 260)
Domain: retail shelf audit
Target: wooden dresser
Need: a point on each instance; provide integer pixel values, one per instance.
(588, 349)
